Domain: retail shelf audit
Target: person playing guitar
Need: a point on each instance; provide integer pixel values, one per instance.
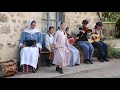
(102, 47)
(82, 41)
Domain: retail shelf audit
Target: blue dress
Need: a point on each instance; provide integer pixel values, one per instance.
(29, 55)
(32, 36)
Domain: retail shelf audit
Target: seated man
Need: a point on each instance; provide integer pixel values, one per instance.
(102, 47)
(49, 43)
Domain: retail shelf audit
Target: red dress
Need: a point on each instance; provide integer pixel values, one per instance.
(71, 40)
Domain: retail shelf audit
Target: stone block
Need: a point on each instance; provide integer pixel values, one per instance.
(1, 46)
(3, 18)
(5, 29)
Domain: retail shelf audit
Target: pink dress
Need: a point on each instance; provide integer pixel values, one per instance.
(62, 51)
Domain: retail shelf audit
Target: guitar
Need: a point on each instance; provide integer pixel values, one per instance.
(97, 38)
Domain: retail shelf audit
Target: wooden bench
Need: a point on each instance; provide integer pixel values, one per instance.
(44, 54)
(81, 53)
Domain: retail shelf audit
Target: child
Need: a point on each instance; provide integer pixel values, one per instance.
(61, 51)
(75, 55)
(49, 42)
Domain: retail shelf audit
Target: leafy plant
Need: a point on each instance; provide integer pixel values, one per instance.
(117, 28)
(110, 16)
(113, 17)
(113, 53)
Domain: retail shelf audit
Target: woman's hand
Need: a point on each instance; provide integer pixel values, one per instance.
(34, 46)
(50, 51)
(77, 38)
(56, 47)
(82, 31)
(93, 37)
(67, 49)
(23, 46)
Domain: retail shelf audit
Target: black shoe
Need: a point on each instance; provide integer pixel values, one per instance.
(34, 70)
(57, 69)
(90, 61)
(77, 64)
(106, 60)
(61, 71)
(101, 60)
(49, 65)
(86, 61)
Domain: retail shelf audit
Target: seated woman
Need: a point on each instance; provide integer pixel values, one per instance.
(29, 53)
(74, 52)
(49, 42)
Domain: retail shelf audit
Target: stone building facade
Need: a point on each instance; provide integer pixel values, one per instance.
(13, 23)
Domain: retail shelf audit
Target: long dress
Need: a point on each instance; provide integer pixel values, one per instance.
(75, 55)
(29, 55)
(61, 52)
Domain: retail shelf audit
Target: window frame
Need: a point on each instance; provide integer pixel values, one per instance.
(56, 20)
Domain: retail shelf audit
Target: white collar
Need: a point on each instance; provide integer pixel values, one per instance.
(50, 34)
(32, 31)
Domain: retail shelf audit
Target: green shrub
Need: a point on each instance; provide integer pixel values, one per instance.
(113, 53)
(117, 28)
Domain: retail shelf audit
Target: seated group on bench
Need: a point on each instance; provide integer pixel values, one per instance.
(61, 44)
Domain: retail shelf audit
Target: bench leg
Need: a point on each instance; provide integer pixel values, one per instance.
(37, 67)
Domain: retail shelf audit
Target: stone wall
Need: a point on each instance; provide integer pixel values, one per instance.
(13, 23)
(115, 43)
(75, 18)
(109, 29)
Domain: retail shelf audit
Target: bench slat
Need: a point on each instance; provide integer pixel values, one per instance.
(45, 52)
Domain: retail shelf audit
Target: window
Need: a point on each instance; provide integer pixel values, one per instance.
(50, 19)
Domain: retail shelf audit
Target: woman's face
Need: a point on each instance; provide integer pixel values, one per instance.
(51, 30)
(62, 26)
(33, 25)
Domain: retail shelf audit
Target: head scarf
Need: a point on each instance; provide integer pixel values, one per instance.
(29, 25)
(59, 24)
(29, 22)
